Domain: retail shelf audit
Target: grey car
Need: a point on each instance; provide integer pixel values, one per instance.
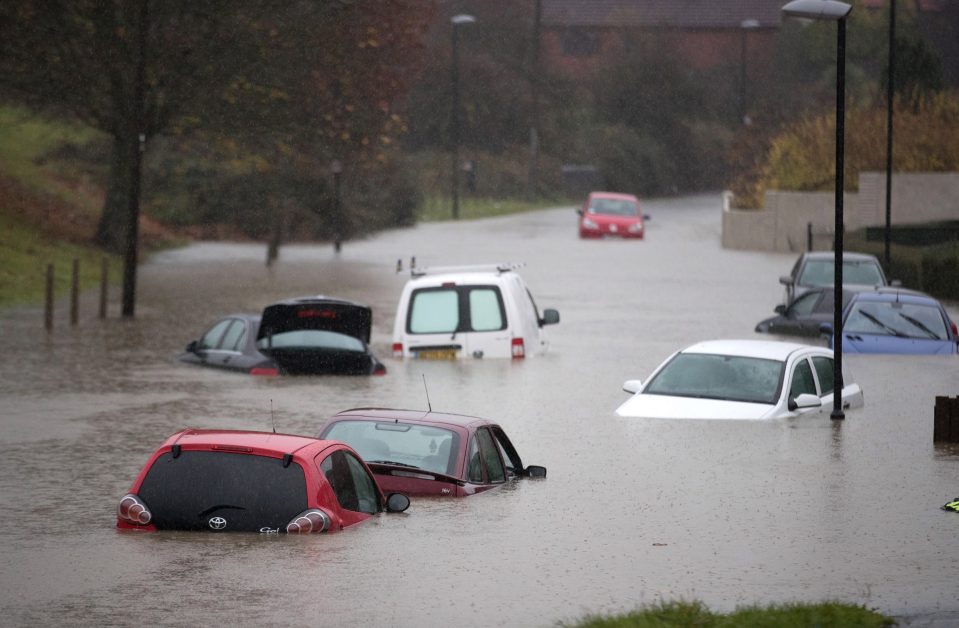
(816, 268)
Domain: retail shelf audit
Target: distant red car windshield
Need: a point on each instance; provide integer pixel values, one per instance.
(613, 207)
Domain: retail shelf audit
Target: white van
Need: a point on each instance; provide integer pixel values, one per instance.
(469, 311)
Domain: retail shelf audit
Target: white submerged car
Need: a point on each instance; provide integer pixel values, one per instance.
(740, 379)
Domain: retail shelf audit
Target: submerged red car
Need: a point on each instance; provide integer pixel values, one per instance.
(609, 214)
(241, 481)
(430, 453)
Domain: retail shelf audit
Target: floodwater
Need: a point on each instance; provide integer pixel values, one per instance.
(633, 511)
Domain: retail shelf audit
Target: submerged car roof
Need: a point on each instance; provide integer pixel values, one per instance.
(411, 416)
(616, 195)
(846, 256)
(887, 294)
(317, 312)
(766, 349)
(263, 441)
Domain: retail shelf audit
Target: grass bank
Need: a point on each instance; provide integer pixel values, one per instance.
(695, 615)
(435, 209)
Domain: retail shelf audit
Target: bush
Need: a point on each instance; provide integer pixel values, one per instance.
(931, 269)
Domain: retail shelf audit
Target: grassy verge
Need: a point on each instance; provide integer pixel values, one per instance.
(25, 253)
(441, 208)
(694, 614)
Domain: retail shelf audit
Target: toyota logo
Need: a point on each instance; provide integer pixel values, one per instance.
(217, 523)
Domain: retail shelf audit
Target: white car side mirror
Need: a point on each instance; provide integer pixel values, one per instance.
(632, 386)
(804, 401)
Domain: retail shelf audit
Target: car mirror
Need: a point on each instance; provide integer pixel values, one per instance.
(825, 329)
(535, 471)
(647, 217)
(397, 502)
(191, 348)
(780, 309)
(550, 317)
(803, 401)
(579, 211)
(632, 386)
(786, 280)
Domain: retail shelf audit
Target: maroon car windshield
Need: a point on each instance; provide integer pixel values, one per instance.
(402, 444)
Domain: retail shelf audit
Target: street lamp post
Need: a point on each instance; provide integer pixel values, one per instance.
(456, 20)
(890, 87)
(745, 26)
(833, 11)
(336, 167)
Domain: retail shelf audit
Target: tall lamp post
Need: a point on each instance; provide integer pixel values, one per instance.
(745, 26)
(457, 21)
(835, 11)
(890, 91)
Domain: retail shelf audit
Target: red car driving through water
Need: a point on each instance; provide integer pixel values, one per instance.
(240, 481)
(610, 215)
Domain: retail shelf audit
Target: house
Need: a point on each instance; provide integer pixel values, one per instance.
(580, 36)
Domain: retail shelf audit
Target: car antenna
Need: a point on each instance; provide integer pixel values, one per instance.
(272, 418)
(428, 404)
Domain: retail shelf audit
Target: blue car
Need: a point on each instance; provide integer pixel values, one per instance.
(894, 320)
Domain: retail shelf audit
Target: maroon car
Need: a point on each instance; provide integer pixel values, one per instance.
(228, 480)
(430, 453)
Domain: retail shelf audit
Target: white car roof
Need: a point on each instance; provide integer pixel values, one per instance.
(767, 349)
(459, 278)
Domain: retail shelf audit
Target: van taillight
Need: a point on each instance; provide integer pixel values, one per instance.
(313, 520)
(518, 348)
(133, 511)
(397, 349)
(266, 372)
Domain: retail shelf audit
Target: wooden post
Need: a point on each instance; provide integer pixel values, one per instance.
(48, 307)
(104, 266)
(75, 292)
(946, 420)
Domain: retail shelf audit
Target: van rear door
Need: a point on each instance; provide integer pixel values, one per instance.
(453, 320)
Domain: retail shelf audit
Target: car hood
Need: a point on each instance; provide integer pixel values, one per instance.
(666, 407)
(334, 315)
(875, 343)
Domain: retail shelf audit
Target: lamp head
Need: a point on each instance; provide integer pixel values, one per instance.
(817, 9)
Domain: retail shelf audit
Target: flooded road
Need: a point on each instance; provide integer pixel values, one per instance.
(633, 511)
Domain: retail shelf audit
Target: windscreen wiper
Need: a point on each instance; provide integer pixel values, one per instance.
(889, 328)
(394, 463)
(921, 326)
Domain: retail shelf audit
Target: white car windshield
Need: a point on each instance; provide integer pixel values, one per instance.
(908, 320)
(729, 378)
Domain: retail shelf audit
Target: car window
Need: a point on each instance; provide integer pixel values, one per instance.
(708, 376)
(434, 311)
(490, 454)
(352, 485)
(802, 380)
(456, 308)
(420, 446)
(312, 339)
(612, 206)
(211, 339)
(821, 272)
(507, 452)
(250, 492)
(804, 305)
(824, 373)
(909, 320)
(233, 336)
(485, 311)
(475, 470)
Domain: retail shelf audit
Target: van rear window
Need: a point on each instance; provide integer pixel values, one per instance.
(456, 309)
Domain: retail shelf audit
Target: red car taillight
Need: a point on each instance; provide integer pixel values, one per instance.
(518, 348)
(313, 520)
(955, 331)
(379, 370)
(397, 349)
(133, 511)
(264, 371)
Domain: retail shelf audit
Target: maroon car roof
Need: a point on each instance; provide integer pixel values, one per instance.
(412, 416)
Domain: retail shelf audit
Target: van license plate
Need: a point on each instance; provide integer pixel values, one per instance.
(436, 354)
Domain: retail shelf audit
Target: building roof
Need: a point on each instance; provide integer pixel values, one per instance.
(687, 14)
